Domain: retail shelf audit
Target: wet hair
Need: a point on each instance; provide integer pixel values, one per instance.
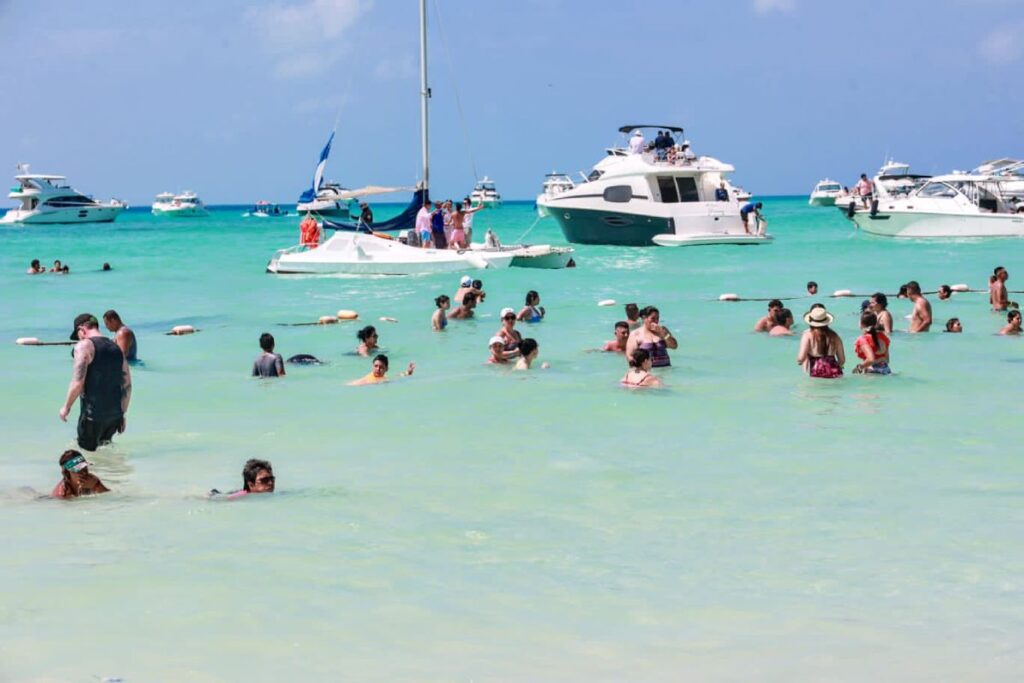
(382, 358)
(642, 313)
(366, 333)
(632, 308)
(532, 296)
(945, 289)
(622, 324)
(112, 315)
(251, 468)
(913, 288)
(528, 346)
(902, 292)
(106, 266)
(35, 263)
(66, 269)
(267, 341)
(639, 357)
(478, 284)
(997, 270)
(468, 298)
(1011, 315)
(950, 323)
(881, 299)
(441, 300)
(812, 283)
(869, 321)
(774, 303)
(782, 316)
(648, 310)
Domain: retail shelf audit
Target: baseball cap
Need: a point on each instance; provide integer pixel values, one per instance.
(506, 311)
(496, 340)
(80, 320)
(466, 281)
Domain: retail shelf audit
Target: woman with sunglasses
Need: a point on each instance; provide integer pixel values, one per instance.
(508, 332)
(257, 477)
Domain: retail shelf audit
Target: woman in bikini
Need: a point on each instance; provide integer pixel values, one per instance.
(821, 350)
(367, 341)
(439, 320)
(509, 333)
(532, 312)
(639, 373)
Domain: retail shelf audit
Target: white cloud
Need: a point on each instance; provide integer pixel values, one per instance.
(1003, 45)
(305, 37)
(766, 6)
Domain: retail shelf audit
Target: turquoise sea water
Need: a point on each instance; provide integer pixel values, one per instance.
(472, 524)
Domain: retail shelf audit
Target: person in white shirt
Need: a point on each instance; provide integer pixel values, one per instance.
(423, 226)
(685, 153)
(636, 143)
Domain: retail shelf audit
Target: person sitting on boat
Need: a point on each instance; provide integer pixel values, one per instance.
(367, 340)
(532, 312)
(309, 232)
(872, 347)
(653, 337)
(636, 143)
(439, 320)
(751, 208)
(722, 192)
(465, 310)
(422, 228)
(639, 372)
(508, 332)
(685, 153)
(365, 217)
(618, 345)
(379, 372)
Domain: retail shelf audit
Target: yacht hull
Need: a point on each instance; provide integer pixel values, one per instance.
(597, 226)
(181, 213)
(90, 214)
(822, 201)
(939, 225)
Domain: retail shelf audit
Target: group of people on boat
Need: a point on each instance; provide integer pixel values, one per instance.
(444, 225)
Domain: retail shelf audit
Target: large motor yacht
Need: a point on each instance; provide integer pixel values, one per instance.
(485, 193)
(554, 184)
(48, 199)
(184, 205)
(954, 205)
(637, 197)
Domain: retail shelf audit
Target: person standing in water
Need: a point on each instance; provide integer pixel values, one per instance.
(269, 364)
(639, 372)
(1012, 324)
(466, 309)
(124, 337)
(653, 337)
(439, 320)
(633, 316)
(100, 377)
(821, 350)
(921, 318)
(35, 268)
(76, 479)
(878, 305)
(532, 312)
(766, 323)
(367, 340)
(529, 349)
(872, 347)
(998, 296)
(618, 345)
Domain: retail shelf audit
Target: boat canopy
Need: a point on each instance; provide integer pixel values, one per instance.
(403, 221)
(673, 129)
(39, 176)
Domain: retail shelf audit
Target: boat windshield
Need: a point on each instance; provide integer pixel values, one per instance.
(937, 189)
(829, 188)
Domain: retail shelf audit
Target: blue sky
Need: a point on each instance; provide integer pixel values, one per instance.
(235, 98)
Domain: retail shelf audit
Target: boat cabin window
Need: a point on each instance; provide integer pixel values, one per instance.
(69, 201)
(667, 188)
(829, 188)
(687, 189)
(618, 193)
(594, 175)
(936, 190)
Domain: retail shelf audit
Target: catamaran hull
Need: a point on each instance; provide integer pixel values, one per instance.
(938, 225)
(90, 214)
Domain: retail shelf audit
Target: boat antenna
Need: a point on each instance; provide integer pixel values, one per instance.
(424, 96)
(455, 90)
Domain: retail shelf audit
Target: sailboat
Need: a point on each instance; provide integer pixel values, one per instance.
(354, 249)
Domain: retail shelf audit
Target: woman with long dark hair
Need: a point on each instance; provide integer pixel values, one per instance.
(872, 347)
(821, 350)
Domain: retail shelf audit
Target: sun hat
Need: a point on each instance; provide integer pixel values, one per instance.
(496, 340)
(506, 311)
(466, 281)
(81, 319)
(75, 463)
(818, 317)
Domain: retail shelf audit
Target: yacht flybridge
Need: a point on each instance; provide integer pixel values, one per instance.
(665, 196)
(48, 199)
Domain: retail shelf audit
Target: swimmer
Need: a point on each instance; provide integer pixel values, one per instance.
(35, 268)
(497, 347)
(76, 479)
(66, 270)
(367, 341)
(618, 345)
(953, 325)
(921, 318)
(783, 323)
(1012, 324)
(879, 306)
(478, 289)
(767, 322)
(439, 320)
(465, 311)
(57, 268)
(257, 477)
(529, 349)
(465, 285)
(639, 373)
(268, 364)
(653, 337)
(379, 372)
(106, 267)
(872, 347)
(304, 359)
(633, 316)
(508, 332)
(945, 292)
(124, 337)
(998, 296)
(532, 312)
(821, 350)
(812, 288)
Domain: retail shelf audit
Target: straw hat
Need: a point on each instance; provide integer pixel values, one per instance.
(818, 317)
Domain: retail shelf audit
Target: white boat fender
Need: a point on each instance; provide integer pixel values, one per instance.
(178, 330)
(960, 288)
(27, 341)
(327, 320)
(842, 293)
(387, 319)
(345, 314)
(477, 261)
(606, 302)
(729, 297)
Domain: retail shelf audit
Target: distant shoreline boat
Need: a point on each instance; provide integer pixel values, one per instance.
(825, 193)
(45, 199)
(184, 205)
(485, 193)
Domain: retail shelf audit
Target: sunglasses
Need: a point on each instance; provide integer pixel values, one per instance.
(510, 317)
(266, 480)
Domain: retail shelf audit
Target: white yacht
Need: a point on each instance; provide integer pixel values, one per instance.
(893, 179)
(954, 205)
(825, 193)
(184, 205)
(48, 199)
(554, 184)
(640, 199)
(1010, 170)
(485, 193)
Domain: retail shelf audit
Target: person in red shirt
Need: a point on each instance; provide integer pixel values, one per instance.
(872, 347)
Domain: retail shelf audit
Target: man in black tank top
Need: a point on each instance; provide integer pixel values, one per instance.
(101, 379)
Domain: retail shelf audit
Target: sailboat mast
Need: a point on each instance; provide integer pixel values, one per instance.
(424, 95)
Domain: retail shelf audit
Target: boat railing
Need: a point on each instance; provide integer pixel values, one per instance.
(294, 249)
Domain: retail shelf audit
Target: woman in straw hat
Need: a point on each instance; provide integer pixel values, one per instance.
(821, 350)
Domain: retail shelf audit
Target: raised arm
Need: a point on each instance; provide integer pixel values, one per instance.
(84, 353)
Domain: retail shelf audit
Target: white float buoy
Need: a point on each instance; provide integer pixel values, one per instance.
(327, 320)
(182, 329)
(27, 341)
(842, 292)
(960, 288)
(345, 314)
(606, 302)
(729, 297)
(386, 319)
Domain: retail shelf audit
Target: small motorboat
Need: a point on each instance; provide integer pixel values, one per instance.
(264, 209)
(825, 193)
(527, 255)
